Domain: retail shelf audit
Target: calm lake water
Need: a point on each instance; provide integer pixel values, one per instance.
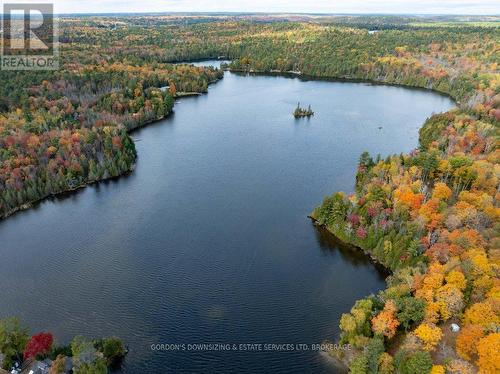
(208, 241)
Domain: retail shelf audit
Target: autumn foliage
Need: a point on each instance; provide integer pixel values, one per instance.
(429, 334)
(467, 340)
(385, 323)
(38, 344)
(432, 217)
(488, 350)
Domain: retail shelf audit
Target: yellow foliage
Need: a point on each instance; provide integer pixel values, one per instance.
(432, 312)
(385, 364)
(429, 334)
(359, 316)
(488, 350)
(457, 279)
(437, 369)
(434, 278)
(482, 284)
(492, 212)
(481, 314)
(480, 264)
(347, 323)
(426, 294)
(494, 292)
(441, 191)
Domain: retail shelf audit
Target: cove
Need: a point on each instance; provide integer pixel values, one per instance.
(208, 240)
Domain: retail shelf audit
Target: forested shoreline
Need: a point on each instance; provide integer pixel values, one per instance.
(107, 86)
(74, 131)
(430, 216)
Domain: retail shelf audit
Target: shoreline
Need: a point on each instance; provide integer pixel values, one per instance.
(295, 74)
(33, 203)
(366, 252)
(69, 191)
(340, 79)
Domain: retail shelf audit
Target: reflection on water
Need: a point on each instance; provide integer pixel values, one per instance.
(208, 239)
(331, 245)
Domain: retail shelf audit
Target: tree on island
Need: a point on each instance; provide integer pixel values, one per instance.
(302, 112)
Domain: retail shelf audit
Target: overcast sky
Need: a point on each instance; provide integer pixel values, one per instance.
(487, 7)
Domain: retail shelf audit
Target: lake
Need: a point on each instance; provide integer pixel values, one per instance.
(208, 240)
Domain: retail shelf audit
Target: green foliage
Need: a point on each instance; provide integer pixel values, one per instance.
(71, 130)
(332, 211)
(62, 129)
(413, 362)
(112, 349)
(411, 311)
(64, 350)
(89, 357)
(432, 128)
(355, 325)
(359, 365)
(373, 351)
(93, 357)
(13, 340)
(96, 367)
(84, 352)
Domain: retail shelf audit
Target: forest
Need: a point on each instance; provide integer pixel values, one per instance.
(63, 130)
(430, 216)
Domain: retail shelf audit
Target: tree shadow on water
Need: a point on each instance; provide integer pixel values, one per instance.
(331, 245)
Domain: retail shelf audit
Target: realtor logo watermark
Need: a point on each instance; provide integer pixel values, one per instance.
(29, 37)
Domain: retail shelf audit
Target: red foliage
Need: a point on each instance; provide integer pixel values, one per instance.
(372, 212)
(38, 344)
(361, 232)
(117, 142)
(354, 219)
(439, 252)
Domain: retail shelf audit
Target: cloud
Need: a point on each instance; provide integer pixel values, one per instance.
(486, 7)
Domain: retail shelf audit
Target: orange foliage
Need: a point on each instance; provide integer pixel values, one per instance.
(385, 323)
(466, 343)
(488, 350)
(406, 197)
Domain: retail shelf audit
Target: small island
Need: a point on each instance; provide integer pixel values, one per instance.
(302, 112)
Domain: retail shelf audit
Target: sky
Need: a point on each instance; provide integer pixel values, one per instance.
(482, 7)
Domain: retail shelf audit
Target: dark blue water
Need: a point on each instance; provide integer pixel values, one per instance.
(208, 240)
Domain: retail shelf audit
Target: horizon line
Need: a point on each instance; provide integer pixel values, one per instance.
(275, 13)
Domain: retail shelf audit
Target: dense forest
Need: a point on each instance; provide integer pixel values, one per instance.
(65, 129)
(431, 216)
(60, 130)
